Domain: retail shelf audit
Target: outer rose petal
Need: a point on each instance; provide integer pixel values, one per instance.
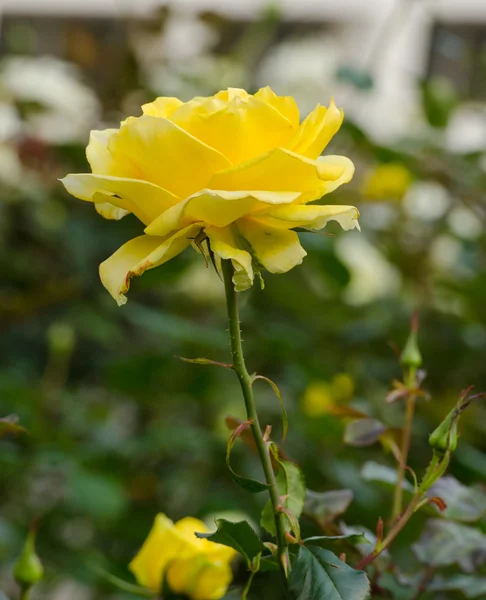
(240, 129)
(285, 105)
(99, 158)
(198, 578)
(162, 545)
(102, 163)
(317, 130)
(277, 250)
(226, 244)
(166, 155)
(231, 93)
(212, 582)
(146, 200)
(309, 216)
(161, 107)
(138, 255)
(335, 170)
(216, 207)
(106, 209)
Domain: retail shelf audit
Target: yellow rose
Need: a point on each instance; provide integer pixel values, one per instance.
(387, 181)
(236, 169)
(195, 567)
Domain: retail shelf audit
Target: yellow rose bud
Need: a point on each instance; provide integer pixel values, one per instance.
(195, 567)
(236, 169)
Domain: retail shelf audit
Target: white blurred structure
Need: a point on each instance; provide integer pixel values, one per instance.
(390, 38)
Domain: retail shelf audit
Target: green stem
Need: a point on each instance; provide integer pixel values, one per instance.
(407, 434)
(245, 380)
(246, 591)
(395, 530)
(25, 593)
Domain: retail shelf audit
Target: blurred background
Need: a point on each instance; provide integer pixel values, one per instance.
(118, 428)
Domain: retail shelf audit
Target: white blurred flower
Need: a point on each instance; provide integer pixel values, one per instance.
(10, 122)
(465, 223)
(303, 68)
(11, 171)
(372, 276)
(378, 215)
(466, 131)
(186, 36)
(426, 201)
(183, 37)
(197, 77)
(68, 107)
(445, 256)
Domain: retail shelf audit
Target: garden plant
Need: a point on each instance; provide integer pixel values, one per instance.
(236, 176)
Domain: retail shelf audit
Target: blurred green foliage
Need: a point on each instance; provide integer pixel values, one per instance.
(119, 429)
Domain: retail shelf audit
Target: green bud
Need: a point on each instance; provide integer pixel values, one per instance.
(28, 569)
(445, 437)
(62, 338)
(411, 356)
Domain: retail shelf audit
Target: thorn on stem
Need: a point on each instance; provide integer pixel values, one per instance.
(379, 531)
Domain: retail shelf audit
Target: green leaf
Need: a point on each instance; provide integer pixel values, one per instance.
(445, 543)
(205, 361)
(466, 504)
(250, 485)
(291, 486)
(471, 586)
(318, 574)
(363, 432)
(285, 419)
(373, 471)
(323, 541)
(239, 536)
(324, 507)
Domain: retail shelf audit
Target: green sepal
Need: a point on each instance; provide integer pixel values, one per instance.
(444, 437)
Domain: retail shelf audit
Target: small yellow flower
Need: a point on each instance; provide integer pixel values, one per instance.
(387, 182)
(239, 169)
(320, 397)
(195, 567)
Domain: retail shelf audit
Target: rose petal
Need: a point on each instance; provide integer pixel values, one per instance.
(138, 255)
